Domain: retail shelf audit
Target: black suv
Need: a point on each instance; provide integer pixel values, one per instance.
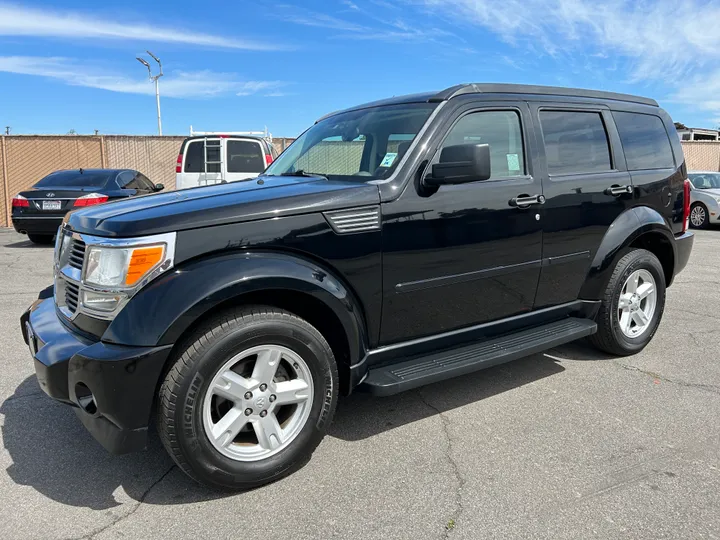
(392, 245)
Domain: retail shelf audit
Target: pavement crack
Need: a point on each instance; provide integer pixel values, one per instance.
(93, 534)
(451, 523)
(713, 388)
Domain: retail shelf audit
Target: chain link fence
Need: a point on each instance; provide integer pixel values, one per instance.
(25, 159)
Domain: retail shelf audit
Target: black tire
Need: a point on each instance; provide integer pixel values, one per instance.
(42, 239)
(183, 390)
(609, 337)
(705, 222)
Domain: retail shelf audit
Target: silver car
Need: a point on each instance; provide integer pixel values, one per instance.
(704, 198)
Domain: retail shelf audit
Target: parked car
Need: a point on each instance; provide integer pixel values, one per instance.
(39, 211)
(213, 158)
(704, 198)
(393, 245)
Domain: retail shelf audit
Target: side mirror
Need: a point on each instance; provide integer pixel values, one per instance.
(461, 163)
(159, 187)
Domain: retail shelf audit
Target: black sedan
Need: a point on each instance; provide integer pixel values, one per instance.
(39, 211)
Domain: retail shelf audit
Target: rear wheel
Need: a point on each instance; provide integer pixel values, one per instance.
(632, 306)
(699, 217)
(43, 239)
(250, 396)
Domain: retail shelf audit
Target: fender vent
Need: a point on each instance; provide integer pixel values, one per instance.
(354, 220)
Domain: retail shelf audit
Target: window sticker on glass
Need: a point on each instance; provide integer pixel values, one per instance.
(388, 159)
(513, 162)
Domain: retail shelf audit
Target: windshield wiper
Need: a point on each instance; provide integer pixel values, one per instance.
(305, 174)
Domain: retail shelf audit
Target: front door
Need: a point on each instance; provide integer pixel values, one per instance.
(465, 254)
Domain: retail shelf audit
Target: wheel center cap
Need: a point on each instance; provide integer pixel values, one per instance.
(261, 402)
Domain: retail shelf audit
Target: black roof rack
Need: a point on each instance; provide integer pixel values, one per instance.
(501, 88)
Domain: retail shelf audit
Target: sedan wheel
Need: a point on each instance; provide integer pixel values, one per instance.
(699, 216)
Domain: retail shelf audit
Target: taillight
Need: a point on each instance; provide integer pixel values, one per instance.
(178, 164)
(91, 199)
(268, 159)
(18, 201)
(686, 205)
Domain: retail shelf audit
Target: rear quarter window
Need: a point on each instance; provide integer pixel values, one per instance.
(644, 140)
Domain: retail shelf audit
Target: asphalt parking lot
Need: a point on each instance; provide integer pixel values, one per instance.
(570, 444)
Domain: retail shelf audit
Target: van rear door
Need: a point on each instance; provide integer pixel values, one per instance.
(202, 163)
(245, 158)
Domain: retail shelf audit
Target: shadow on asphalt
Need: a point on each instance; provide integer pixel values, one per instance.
(361, 415)
(28, 244)
(52, 453)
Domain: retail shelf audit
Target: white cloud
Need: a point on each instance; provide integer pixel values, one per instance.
(178, 84)
(377, 28)
(670, 42)
(27, 21)
(663, 39)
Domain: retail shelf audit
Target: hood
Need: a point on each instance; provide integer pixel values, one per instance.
(715, 192)
(261, 198)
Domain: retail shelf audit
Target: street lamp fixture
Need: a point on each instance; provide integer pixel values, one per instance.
(154, 78)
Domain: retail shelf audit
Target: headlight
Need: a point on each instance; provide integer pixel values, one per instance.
(122, 267)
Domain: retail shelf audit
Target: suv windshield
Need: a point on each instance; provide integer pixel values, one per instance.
(705, 180)
(365, 144)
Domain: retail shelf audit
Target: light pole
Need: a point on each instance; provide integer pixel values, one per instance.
(154, 78)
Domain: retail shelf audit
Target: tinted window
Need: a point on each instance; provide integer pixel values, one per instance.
(645, 141)
(195, 156)
(134, 180)
(499, 129)
(575, 142)
(75, 179)
(244, 156)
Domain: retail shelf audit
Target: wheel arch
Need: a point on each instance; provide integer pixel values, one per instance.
(183, 299)
(640, 227)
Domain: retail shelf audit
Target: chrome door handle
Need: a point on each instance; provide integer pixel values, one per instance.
(618, 190)
(523, 201)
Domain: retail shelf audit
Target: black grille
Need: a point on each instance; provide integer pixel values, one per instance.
(76, 254)
(71, 296)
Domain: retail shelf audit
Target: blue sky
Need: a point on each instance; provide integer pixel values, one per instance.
(242, 65)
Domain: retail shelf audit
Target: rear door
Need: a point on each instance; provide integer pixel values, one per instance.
(244, 158)
(201, 163)
(586, 187)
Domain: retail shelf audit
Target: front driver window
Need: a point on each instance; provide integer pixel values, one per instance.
(499, 129)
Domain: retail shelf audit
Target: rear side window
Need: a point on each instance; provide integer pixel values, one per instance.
(195, 157)
(645, 141)
(575, 142)
(245, 157)
(498, 129)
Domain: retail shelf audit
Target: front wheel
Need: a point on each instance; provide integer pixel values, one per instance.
(632, 306)
(251, 395)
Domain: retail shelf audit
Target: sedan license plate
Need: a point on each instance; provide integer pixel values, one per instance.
(51, 205)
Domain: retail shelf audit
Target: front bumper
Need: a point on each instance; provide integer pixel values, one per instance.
(37, 225)
(111, 386)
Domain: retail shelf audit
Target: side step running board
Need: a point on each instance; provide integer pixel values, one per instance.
(439, 366)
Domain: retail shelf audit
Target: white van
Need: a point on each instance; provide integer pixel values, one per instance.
(213, 158)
